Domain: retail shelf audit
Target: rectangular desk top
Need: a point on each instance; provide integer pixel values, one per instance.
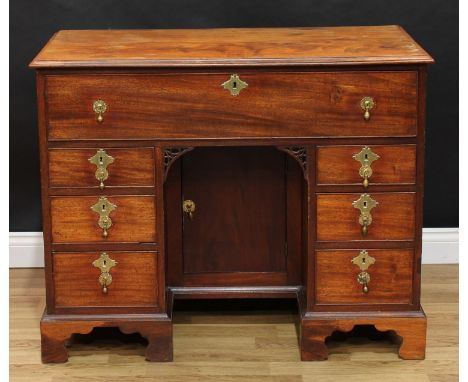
(230, 47)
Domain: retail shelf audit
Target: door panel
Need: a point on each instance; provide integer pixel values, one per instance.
(239, 222)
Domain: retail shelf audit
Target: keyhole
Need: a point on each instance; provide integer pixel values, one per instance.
(100, 160)
(103, 207)
(364, 204)
(234, 85)
(363, 261)
(366, 156)
(105, 262)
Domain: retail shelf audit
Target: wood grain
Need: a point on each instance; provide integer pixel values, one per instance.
(396, 165)
(244, 342)
(73, 221)
(254, 211)
(392, 219)
(195, 105)
(213, 47)
(133, 280)
(391, 277)
(71, 168)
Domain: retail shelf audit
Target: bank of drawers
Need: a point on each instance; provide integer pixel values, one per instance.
(86, 182)
(347, 219)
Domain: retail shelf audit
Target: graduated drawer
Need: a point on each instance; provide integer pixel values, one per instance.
(196, 105)
(392, 219)
(124, 167)
(77, 280)
(73, 220)
(344, 165)
(391, 277)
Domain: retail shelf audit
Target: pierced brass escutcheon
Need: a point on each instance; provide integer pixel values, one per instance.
(99, 107)
(188, 206)
(234, 85)
(363, 261)
(365, 204)
(104, 263)
(366, 156)
(367, 103)
(103, 207)
(101, 159)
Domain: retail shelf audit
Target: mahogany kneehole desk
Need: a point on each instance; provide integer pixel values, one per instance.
(232, 163)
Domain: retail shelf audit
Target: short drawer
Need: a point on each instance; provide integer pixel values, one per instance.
(113, 166)
(196, 105)
(385, 164)
(74, 220)
(133, 279)
(393, 218)
(390, 277)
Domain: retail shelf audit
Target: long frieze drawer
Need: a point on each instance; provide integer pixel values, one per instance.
(101, 167)
(105, 279)
(371, 276)
(374, 216)
(366, 165)
(103, 219)
(220, 105)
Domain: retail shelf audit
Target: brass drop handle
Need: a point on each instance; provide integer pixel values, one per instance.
(366, 157)
(99, 107)
(104, 263)
(367, 103)
(363, 261)
(188, 206)
(365, 204)
(101, 159)
(103, 208)
(363, 278)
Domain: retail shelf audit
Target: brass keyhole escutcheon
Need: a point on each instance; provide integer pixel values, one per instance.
(366, 157)
(103, 207)
(367, 103)
(363, 261)
(99, 107)
(234, 85)
(104, 263)
(365, 204)
(101, 159)
(188, 206)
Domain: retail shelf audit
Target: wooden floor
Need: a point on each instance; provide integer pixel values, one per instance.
(235, 345)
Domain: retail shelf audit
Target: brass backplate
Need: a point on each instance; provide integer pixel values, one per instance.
(103, 207)
(101, 159)
(234, 85)
(366, 157)
(365, 204)
(105, 264)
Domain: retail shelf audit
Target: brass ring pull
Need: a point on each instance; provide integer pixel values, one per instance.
(188, 206)
(104, 263)
(363, 261)
(101, 159)
(365, 204)
(367, 103)
(103, 207)
(366, 156)
(99, 107)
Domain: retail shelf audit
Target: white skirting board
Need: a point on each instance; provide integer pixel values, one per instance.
(440, 246)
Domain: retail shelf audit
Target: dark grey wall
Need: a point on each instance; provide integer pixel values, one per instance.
(433, 23)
